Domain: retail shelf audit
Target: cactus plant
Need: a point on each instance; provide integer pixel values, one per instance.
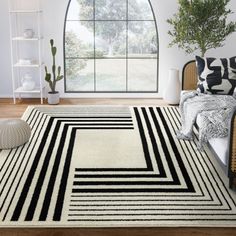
(53, 78)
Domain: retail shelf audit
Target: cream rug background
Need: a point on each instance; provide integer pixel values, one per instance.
(111, 166)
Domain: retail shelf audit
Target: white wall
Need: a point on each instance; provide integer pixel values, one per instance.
(5, 60)
(54, 12)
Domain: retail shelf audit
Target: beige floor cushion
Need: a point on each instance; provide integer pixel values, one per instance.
(13, 133)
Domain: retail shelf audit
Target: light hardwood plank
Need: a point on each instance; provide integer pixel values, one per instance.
(120, 232)
(10, 110)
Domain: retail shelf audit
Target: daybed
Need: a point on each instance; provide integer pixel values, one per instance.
(224, 149)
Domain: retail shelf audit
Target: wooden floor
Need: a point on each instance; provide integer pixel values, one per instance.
(9, 110)
(121, 232)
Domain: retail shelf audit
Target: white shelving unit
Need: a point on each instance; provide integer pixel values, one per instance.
(26, 51)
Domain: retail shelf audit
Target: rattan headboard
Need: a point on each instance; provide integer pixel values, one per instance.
(189, 76)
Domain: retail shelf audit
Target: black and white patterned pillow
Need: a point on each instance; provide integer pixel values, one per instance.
(216, 76)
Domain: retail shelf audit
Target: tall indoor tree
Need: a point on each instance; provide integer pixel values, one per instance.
(201, 25)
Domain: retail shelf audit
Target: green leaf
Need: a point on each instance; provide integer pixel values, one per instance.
(59, 70)
(53, 68)
(201, 25)
(52, 42)
(54, 51)
(48, 77)
(59, 78)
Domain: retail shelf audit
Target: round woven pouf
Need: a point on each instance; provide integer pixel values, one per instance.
(13, 133)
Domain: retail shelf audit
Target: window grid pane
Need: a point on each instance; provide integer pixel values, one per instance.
(111, 75)
(80, 75)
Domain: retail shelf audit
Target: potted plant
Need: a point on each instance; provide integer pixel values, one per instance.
(201, 25)
(52, 79)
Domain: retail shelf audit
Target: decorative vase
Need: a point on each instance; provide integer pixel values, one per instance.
(28, 84)
(28, 33)
(172, 92)
(53, 98)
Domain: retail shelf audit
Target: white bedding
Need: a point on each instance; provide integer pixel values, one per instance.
(220, 146)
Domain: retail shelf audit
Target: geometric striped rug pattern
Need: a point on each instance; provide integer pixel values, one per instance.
(111, 166)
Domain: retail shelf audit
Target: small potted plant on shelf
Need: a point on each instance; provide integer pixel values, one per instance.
(52, 79)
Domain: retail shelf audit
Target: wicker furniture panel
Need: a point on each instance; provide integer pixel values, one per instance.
(189, 80)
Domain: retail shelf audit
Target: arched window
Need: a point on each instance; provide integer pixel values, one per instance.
(110, 46)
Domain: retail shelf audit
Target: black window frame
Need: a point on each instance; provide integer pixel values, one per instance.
(126, 57)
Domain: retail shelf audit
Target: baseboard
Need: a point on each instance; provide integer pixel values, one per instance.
(6, 96)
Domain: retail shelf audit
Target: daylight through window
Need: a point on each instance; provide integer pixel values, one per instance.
(110, 46)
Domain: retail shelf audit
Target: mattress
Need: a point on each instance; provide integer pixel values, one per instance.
(220, 146)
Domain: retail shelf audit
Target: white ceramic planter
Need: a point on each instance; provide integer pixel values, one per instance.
(53, 98)
(28, 83)
(172, 91)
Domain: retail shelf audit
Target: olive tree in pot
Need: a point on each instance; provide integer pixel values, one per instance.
(52, 79)
(201, 25)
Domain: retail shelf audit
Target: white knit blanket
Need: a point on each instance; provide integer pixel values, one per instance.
(214, 113)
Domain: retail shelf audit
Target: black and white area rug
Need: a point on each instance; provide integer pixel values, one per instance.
(111, 166)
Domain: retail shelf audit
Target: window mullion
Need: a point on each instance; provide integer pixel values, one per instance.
(94, 44)
(127, 50)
